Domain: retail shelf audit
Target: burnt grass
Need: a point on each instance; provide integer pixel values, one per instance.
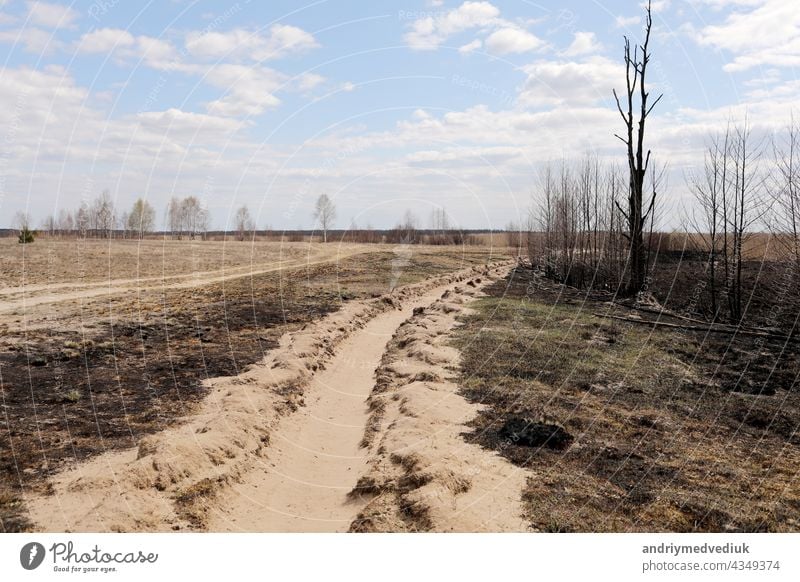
(136, 366)
(663, 429)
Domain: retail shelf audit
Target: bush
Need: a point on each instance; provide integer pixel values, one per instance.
(26, 236)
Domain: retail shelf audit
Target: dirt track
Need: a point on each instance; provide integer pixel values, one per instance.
(26, 297)
(277, 447)
(315, 459)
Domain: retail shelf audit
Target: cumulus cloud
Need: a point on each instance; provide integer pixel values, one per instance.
(105, 40)
(470, 46)
(626, 21)
(177, 123)
(51, 15)
(31, 39)
(657, 5)
(280, 41)
(512, 40)
(767, 35)
(583, 43)
(431, 31)
(502, 37)
(248, 90)
(155, 52)
(558, 83)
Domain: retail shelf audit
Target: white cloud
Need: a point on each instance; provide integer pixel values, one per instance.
(558, 83)
(503, 38)
(155, 53)
(626, 21)
(248, 90)
(105, 40)
(430, 32)
(308, 81)
(512, 40)
(466, 155)
(281, 40)
(470, 46)
(33, 40)
(176, 122)
(64, 147)
(657, 5)
(768, 35)
(719, 4)
(51, 15)
(583, 43)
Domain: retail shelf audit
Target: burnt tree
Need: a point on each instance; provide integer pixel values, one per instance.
(635, 214)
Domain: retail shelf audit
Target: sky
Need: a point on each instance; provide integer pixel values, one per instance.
(384, 106)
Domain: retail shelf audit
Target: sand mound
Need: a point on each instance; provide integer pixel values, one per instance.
(423, 476)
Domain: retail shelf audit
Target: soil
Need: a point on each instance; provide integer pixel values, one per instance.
(665, 437)
(82, 378)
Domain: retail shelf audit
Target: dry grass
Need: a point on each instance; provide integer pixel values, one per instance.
(661, 443)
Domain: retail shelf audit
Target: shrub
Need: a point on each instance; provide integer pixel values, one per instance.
(26, 236)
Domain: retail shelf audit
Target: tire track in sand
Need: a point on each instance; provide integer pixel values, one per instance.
(315, 458)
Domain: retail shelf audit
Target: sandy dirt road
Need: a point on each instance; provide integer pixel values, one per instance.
(278, 448)
(24, 298)
(315, 460)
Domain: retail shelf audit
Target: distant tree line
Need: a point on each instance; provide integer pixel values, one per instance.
(99, 218)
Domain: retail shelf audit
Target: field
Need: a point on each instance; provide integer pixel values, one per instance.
(272, 386)
(642, 428)
(101, 343)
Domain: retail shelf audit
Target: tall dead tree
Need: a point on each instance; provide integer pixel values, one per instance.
(635, 214)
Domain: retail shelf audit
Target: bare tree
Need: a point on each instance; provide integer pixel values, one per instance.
(439, 220)
(708, 190)
(636, 62)
(244, 223)
(193, 217)
(786, 190)
(21, 220)
(83, 220)
(65, 223)
(730, 195)
(743, 208)
(173, 219)
(579, 238)
(514, 236)
(124, 219)
(49, 225)
(325, 214)
(104, 215)
(141, 219)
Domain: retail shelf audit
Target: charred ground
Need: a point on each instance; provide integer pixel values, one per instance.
(667, 429)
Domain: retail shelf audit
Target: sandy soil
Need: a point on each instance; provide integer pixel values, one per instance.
(81, 284)
(422, 474)
(315, 459)
(204, 473)
(54, 262)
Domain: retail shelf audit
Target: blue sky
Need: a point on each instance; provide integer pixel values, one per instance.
(382, 105)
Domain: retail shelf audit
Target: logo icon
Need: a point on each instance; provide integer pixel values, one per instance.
(31, 555)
